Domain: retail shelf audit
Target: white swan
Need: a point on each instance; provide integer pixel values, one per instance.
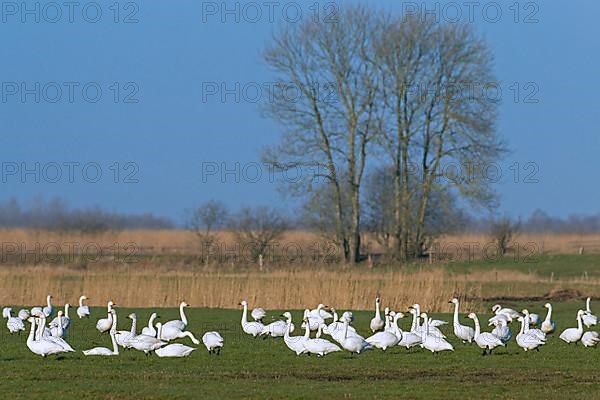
(277, 329)
(433, 331)
(150, 330)
(407, 339)
(526, 341)
(534, 319)
(485, 340)
(24, 314)
(83, 311)
(589, 319)
(104, 324)
(251, 328)
(430, 342)
(548, 326)
(55, 337)
(572, 335)
(103, 351)
(176, 329)
(463, 332)
(509, 312)
(124, 338)
(258, 314)
(57, 326)
(318, 346)
(147, 343)
(536, 332)
(47, 310)
(385, 339)
(337, 325)
(66, 321)
(295, 343)
(377, 322)
(213, 341)
(14, 324)
(353, 344)
(590, 339)
(320, 312)
(502, 331)
(174, 350)
(41, 347)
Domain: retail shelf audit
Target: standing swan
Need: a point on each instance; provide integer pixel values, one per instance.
(572, 335)
(485, 340)
(295, 343)
(251, 328)
(124, 338)
(527, 341)
(104, 324)
(150, 330)
(463, 332)
(589, 319)
(548, 326)
(83, 311)
(103, 351)
(353, 344)
(377, 322)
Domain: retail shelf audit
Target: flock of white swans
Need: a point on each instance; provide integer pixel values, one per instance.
(48, 339)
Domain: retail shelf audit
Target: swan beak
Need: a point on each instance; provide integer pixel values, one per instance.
(449, 302)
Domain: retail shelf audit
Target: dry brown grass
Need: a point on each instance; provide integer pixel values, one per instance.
(185, 240)
(135, 287)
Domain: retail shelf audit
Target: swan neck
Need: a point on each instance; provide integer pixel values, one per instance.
(133, 325)
(456, 314)
(307, 329)
(477, 327)
(114, 342)
(549, 314)
(579, 324)
(377, 312)
(81, 301)
(182, 314)
(245, 314)
(587, 305)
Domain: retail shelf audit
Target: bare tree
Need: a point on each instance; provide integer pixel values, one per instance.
(258, 228)
(204, 220)
(433, 117)
(503, 232)
(329, 126)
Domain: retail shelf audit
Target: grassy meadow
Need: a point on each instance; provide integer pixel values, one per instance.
(165, 269)
(266, 369)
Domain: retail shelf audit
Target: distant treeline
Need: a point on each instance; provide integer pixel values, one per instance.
(541, 222)
(57, 215)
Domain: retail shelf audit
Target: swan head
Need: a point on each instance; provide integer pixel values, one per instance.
(82, 298)
(386, 311)
(472, 316)
(525, 311)
(454, 301)
(49, 297)
(377, 300)
(132, 316)
(287, 315)
(60, 313)
(347, 317)
(496, 307)
(424, 315)
(110, 304)
(580, 313)
(184, 304)
(547, 305)
(321, 306)
(520, 319)
(244, 303)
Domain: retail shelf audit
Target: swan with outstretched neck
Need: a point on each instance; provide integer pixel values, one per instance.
(83, 311)
(485, 340)
(548, 326)
(377, 322)
(251, 328)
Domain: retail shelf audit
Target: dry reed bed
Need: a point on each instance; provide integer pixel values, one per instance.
(185, 240)
(274, 290)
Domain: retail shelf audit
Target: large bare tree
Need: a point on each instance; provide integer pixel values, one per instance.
(410, 88)
(330, 124)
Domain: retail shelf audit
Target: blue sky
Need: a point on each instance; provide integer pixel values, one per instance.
(155, 123)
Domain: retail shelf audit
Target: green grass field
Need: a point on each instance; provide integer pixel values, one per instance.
(257, 368)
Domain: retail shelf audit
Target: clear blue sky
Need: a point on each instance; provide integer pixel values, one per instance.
(178, 47)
